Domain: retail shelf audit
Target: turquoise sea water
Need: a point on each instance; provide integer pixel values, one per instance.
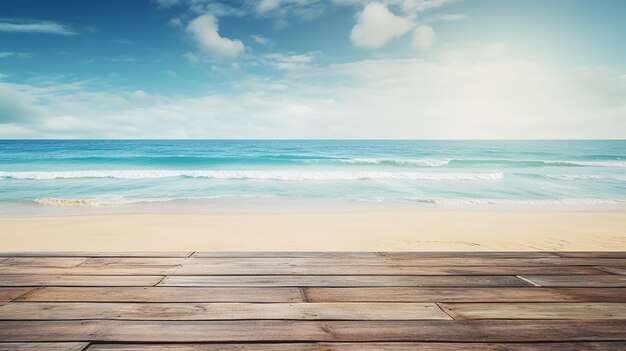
(90, 173)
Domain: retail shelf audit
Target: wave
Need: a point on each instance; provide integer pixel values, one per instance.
(429, 162)
(397, 162)
(260, 175)
(583, 177)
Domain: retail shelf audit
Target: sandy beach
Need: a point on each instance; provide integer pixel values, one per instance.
(404, 230)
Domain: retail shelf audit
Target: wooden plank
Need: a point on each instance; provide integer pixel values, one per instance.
(91, 270)
(615, 270)
(466, 254)
(285, 254)
(569, 310)
(443, 294)
(397, 346)
(162, 294)
(239, 269)
(220, 311)
(136, 261)
(297, 331)
(355, 261)
(77, 280)
(591, 281)
(94, 254)
(8, 294)
(44, 346)
(212, 347)
(593, 254)
(341, 281)
(44, 261)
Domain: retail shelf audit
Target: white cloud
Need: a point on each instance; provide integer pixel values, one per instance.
(13, 54)
(376, 25)
(289, 62)
(420, 5)
(36, 27)
(450, 17)
(469, 95)
(424, 37)
(205, 31)
(259, 39)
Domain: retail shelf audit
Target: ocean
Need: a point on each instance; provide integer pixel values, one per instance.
(45, 174)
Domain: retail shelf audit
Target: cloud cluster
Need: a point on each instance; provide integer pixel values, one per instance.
(376, 24)
(468, 93)
(205, 31)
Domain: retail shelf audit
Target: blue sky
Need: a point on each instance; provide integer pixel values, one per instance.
(312, 69)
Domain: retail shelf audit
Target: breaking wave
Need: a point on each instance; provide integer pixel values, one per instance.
(261, 175)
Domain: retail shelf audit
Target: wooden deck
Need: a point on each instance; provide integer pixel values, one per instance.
(312, 301)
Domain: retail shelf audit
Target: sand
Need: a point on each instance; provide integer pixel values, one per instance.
(422, 230)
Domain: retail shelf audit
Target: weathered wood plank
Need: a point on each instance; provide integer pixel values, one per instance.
(94, 254)
(341, 281)
(137, 261)
(356, 261)
(220, 311)
(211, 347)
(465, 254)
(162, 294)
(8, 294)
(91, 270)
(569, 310)
(443, 294)
(77, 280)
(239, 269)
(278, 254)
(593, 254)
(44, 346)
(615, 270)
(592, 281)
(345, 331)
(397, 346)
(43, 261)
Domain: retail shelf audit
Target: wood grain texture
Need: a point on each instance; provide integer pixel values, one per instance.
(43, 261)
(77, 280)
(464, 254)
(574, 310)
(397, 346)
(591, 281)
(8, 294)
(278, 254)
(341, 281)
(161, 294)
(357, 261)
(615, 270)
(312, 301)
(94, 254)
(220, 311)
(444, 294)
(49, 346)
(593, 254)
(296, 331)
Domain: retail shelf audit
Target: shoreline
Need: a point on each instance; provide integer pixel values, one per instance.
(380, 230)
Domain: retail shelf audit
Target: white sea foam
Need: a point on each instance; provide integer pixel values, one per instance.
(262, 175)
(583, 176)
(427, 162)
(53, 201)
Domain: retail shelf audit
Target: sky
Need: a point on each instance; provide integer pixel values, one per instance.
(416, 69)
